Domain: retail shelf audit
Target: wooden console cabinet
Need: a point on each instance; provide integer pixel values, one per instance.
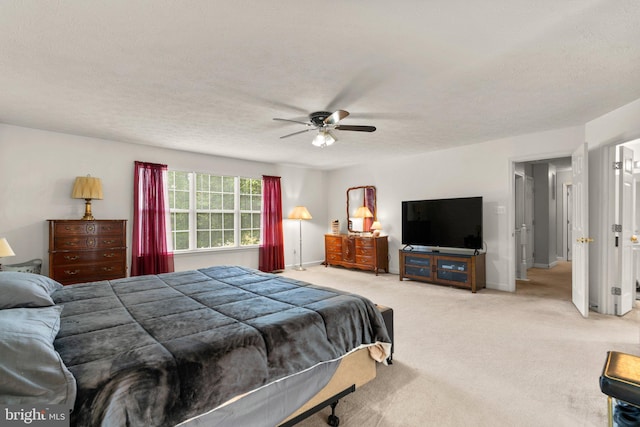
(465, 271)
(352, 251)
(87, 251)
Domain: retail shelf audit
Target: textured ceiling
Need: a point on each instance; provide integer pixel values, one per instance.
(209, 76)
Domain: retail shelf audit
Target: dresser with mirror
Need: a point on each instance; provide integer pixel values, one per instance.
(359, 248)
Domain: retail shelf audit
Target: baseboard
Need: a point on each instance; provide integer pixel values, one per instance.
(546, 266)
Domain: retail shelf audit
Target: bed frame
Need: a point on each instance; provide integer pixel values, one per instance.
(355, 370)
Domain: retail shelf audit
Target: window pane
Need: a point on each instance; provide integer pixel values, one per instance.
(256, 186)
(245, 221)
(228, 238)
(203, 221)
(256, 203)
(227, 202)
(216, 183)
(245, 186)
(203, 239)
(202, 182)
(216, 221)
(202, 200)
(181, 240)
(229, 184)
(182, 200)
(256, 220)
(245, 203)
(181, 221)
(246, 237)
(216, 201)
(228, 221)
(216, 239)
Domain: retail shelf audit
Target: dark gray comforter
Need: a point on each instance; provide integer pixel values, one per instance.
(156, 350)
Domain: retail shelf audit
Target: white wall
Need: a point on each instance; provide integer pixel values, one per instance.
(476, 170)
(38, 168)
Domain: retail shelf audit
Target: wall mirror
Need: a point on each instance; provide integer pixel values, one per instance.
(361, 208)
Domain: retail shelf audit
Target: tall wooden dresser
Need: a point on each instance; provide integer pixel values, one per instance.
(354, 251)
(87, 251)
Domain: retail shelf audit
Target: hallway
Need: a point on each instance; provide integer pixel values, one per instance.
(553, 283)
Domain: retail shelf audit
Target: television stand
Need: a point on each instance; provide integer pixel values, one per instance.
(461, 270)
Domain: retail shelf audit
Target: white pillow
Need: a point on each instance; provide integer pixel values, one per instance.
(32, 372)
(26, 290)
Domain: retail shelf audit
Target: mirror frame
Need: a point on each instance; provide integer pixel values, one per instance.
(375, 206)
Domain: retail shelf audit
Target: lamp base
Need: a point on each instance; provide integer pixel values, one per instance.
(88, 216)
(299, 268)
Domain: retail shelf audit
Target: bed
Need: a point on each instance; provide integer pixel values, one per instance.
(224, 345)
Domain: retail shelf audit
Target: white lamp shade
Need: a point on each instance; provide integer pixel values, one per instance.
(300, 212)
(376, 225)
(5, 249)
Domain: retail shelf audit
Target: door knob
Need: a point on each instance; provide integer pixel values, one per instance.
(634, 238)
(585, 240)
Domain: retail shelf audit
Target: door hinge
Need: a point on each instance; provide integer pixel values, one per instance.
(617, 165)
(616, 228)
(616, 291)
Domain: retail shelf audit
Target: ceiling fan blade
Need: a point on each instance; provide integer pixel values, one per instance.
(356, 128)
(293, 121)
(295, 133)
(336, 117)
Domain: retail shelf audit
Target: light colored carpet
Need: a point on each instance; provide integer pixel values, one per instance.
(486, 359)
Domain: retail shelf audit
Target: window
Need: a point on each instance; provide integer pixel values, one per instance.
(212, 211)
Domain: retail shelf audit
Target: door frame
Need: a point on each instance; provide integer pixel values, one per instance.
(511, 215)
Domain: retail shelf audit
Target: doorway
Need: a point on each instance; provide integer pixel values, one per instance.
(543, 205)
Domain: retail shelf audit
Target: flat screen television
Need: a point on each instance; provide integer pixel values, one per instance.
(449, 223)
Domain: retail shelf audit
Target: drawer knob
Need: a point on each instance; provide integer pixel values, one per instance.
(108, 242)
(107, 268)
(71, 273)
(110, 255)
(71, 257)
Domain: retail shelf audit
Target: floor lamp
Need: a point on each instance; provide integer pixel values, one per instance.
(300, 213)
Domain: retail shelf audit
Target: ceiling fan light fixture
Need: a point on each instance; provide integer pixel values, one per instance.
(323, 139)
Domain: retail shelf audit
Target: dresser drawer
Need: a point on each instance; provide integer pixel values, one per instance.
(365, 244)
(87, 228)
(333, 244)
(88, 242)
(365, 260)
(81, 257)
(333, 256)
(365, 251)
(67, 274)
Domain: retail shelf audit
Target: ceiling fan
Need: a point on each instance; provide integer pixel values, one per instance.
(324, 122)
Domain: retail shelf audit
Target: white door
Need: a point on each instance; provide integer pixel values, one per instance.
(625, 245)
(569, 226)
(580, 230)
(528, 219)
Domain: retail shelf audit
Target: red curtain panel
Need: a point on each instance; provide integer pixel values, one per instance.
(151, 252)
(369, 202)
(272, 247)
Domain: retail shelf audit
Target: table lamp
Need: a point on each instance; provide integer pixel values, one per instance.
(375, 228)
(87, 188)
(5, 249)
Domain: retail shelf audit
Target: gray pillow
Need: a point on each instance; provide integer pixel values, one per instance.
(31, 371)
(26, 290)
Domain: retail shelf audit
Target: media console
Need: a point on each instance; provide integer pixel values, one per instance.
(461, 270)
